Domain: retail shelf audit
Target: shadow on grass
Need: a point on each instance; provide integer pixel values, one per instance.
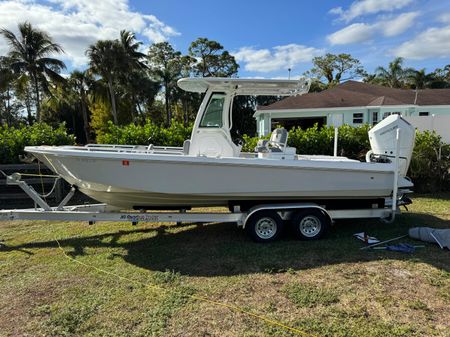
(223, 249)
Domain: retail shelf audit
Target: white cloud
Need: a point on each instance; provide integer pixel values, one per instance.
(434, 42)
(279, 58)
(445, 18)
(75, 24)
(356, 32)
(399, 24)
(363, 32)
(365, 7)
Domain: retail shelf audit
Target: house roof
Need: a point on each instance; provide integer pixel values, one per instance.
(353, 93)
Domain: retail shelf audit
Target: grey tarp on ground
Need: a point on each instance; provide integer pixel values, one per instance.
(439, 236)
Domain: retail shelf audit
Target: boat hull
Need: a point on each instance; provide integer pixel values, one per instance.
(147, 180)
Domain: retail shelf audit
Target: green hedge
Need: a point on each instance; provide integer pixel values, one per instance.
(430, 163)
(353, 142)
(13, 140)
(149, 133)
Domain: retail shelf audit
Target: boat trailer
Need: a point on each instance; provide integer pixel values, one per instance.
(263, 222)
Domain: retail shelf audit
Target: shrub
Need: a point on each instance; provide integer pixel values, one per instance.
(149, 133)
(250, 143)
(430, 163)
(353, 142)
(13, 140)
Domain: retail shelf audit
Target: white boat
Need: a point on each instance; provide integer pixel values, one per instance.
(211, 170)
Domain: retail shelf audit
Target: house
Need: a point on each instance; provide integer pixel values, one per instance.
(356, 103)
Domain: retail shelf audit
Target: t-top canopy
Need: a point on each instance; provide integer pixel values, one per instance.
(244, 86)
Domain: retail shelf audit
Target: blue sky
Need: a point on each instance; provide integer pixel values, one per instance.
(266, 37)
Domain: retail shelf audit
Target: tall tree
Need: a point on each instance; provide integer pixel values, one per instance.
(119, 63)
(131, 68)
(335, 68)
(140, 90)
(7, 78)
(166, 64)
(394, 75)
(419, 79)
(23, 90)
(105, 60)
(189, 101)
(80, 82)
(30, 55)
(441, 77)
(213, 60)
(134, 59)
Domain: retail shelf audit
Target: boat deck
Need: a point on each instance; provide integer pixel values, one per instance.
(173, 150)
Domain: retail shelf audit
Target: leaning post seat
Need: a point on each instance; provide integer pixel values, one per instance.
(276, 146)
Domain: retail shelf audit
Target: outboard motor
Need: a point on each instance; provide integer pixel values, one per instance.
(382, 139)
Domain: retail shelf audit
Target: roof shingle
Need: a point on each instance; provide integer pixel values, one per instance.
(353, 93)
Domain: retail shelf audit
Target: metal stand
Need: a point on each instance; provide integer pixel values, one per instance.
(336, 135)
(15, 179)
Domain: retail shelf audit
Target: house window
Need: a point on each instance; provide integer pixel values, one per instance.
(374, 117)
(386, 114)
(358, 118)
(424, 113)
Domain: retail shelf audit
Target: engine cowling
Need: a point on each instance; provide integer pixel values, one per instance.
(383, 136)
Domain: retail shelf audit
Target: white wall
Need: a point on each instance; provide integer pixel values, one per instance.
(439, 123)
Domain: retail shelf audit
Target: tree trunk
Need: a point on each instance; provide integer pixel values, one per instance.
(185, 111)
(113, 101)
(38, 100)
(1, 119)
(168, 112)
(74, 123)
(87, 129)
(139, 110)
(133, 108)
(8, 116)
(28, 106)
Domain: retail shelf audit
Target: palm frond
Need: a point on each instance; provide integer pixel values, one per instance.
(55, 64)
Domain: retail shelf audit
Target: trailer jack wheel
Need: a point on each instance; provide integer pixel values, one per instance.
(310, 224)
(264, 226)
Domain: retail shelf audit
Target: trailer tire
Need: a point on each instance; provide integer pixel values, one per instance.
(264, 226)
(310, 224)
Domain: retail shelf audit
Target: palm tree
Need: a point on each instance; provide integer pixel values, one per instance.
(104, 60)
(166, 65)
(80, 82)
(30, 55)
(394, 75)
(134, 59)
(419, 79)
(131, 67)
(7, 79)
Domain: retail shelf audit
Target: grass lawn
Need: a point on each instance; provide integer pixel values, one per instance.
(324, 288)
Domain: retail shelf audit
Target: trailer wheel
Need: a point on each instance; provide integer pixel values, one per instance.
(310, 224)
(264, 226)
